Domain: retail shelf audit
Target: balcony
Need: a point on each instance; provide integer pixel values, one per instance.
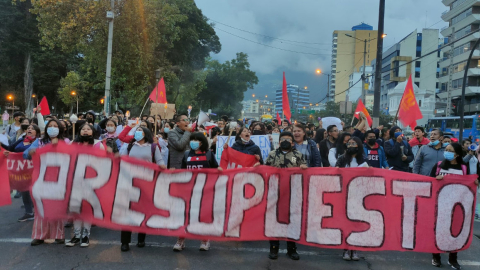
(447, 3)
(449, 14)
(473, 18)
(469, 91)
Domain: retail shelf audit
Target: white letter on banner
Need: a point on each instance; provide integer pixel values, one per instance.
(450, 196)
(163, 200)
(272, 227)
(220, 196)
(84, 188)
(126, 193)
(358, 189)
(317, 210)
(239, 203)
(410, 190)
(50, 190)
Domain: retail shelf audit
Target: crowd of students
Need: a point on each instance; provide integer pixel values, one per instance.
(174, 144)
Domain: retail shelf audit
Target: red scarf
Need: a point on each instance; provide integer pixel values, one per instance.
(28, 139)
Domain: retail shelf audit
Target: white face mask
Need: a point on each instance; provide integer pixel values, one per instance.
(110, 129)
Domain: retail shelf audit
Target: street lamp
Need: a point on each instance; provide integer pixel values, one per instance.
(189, 110)
(266, 96)
(319, 72)
(305, 88)
(73, 93)
(253, 95)
(11, 98)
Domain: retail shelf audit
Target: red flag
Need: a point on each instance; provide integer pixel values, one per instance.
(45, 110)
(361, 108)
(5, 198)
(162, 94)
(408, 110)
(285, 103)
(232, 159)
(279, 120)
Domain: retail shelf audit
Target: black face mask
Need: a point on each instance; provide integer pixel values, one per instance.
(86, 138)
(285, 145)
(352, 150)
(257, 132)
(371, 141)
(24, 127)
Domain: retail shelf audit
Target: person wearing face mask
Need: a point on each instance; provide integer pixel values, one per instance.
(430, 154)
(286, 156)
(24, 123)
(398, 151)
(245, 145)
(374, 152)
(179, 141)
(111, 138)
(32, 134)
(353, 157)
(328, 143)
(339, 148)
(446, 141)
(198, 157)
(47, 229)
(452, 165)
(306, 146)
(11, 130)
(140, 147)
(91, 115)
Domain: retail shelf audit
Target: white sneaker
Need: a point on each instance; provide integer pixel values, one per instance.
(355, 256)
(205, 245)
(180, 245)
(346, 255)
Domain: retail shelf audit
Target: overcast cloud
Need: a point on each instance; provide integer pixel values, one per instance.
(310, 21)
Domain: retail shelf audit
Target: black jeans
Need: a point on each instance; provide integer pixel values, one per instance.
(290, 244)
(27, 202)
(126, 237)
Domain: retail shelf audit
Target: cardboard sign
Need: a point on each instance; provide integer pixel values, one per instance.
(352, 208)
(159, 109)
(327, 121)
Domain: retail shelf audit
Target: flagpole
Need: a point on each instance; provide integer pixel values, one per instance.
(157, 75)
(144, 107)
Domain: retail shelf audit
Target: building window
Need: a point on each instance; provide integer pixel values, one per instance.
(419, 53)
(420, 103)
(417, 74)
(418, 84)
(462, 32)
(417, 64)
(462, 16)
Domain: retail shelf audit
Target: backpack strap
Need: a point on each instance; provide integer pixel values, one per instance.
(129, 147)
(153, 146)
(438, 167)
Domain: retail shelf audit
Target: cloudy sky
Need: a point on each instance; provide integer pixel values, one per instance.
(305, 26)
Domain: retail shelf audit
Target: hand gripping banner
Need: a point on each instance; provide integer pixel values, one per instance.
(355, 208)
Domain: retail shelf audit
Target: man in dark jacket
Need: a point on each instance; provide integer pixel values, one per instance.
(398, 151)
(373, 151)
(98, 131)
(178, 141)
(327, 144)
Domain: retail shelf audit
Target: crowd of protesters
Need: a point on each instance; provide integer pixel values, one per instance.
(176, 144)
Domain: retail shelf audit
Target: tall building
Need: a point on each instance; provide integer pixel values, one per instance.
(298, 98)
(257, 108)
(396, 66)
(347, 56)
(463, 17)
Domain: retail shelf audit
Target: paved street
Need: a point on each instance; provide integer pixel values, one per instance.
(104, 253)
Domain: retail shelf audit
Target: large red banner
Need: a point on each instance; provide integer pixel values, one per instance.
(232, 159)
(355, 208)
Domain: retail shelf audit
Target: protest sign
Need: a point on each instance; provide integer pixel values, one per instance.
(275, 140)
(165, 112)
(351, 208)
(262, 141)
(327, 121)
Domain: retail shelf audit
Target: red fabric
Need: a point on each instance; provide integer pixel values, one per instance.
(19, 172)
(5, 198)
(162, 94)
(29, 139)
(279, 120)
(45, 110)
(351, 208)
(47, 229)
(232, 159)
(409, 112)
(285, 103)
(361, 108)
(414, 141)
(124, 137)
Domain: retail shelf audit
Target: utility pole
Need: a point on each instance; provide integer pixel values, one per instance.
(450, 74)
(364, 78)
(378, 65)
(110, 16)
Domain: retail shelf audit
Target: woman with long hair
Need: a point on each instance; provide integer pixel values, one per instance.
(47, 229)
(306, 146)
(353, 157)
(140, 147)
(319, 136)
(199, 157)
(339, 149)
(245, 145)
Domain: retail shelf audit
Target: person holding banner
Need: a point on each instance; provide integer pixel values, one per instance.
(339, 148)
(452, 164)
(141, 147)
(47, 229)
(306, 146)
(328, 143)
(111, 136)
(244, 145)
(353, 157)
(286, 156)
(199, 157)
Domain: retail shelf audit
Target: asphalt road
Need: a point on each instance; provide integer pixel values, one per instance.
(104, 253)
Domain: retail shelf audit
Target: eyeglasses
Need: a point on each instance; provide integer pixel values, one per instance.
(285, 140)
(351, 144)
(186, 120)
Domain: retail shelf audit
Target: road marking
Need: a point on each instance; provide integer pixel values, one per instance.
(465, 262)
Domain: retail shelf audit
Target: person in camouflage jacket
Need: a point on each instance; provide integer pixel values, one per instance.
(286, 156)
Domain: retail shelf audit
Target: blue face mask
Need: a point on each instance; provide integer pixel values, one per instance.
(448, 155)
(397, 134)
(445, 144)
(166, 130)
(435, 143)
(138, 135)
(194, 145)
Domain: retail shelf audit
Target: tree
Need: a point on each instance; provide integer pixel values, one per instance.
(226, 84)
(72, 83)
